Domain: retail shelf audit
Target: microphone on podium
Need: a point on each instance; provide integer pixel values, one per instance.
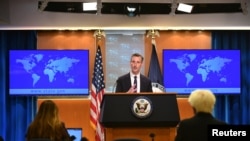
(114, 87)
(152, 135)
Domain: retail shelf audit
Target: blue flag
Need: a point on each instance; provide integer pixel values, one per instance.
(154, 72)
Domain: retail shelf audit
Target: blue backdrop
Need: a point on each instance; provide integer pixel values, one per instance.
(235, 109)
(15, 112)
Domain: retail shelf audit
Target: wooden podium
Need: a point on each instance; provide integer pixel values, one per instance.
(120, 120)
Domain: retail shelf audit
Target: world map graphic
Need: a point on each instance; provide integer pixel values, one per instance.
(185, 71)
(208, 68)
(51, 67)
(49, 70)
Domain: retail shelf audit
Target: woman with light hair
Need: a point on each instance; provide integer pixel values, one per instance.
(47, 125)
(195, 128)
(202, 101)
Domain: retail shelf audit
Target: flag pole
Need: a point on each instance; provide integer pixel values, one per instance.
(154, 71)
(97, 89)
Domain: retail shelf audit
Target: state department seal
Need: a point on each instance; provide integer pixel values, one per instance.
(142, 107)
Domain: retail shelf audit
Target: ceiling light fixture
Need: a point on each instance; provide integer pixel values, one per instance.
(90, 6)
(244, 7)
(184, 7)
(132, 10)
(43, 5)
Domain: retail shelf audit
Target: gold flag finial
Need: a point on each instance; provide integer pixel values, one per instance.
(99, 33)
(153, 33)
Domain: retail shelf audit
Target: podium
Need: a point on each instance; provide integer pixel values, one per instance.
(121, 119)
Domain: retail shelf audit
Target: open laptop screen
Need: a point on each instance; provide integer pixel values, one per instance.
(77, 132)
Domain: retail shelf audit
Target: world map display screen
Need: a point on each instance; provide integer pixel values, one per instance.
(48, 72)
(187, 70)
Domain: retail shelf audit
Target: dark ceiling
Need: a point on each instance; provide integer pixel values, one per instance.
(143, 8)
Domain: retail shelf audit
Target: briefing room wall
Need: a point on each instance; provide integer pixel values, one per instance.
(177, 39)
(75, 111)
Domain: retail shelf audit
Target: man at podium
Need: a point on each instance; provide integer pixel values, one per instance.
(134, 81)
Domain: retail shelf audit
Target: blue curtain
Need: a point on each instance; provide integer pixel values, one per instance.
(16, 113)
(235, 109)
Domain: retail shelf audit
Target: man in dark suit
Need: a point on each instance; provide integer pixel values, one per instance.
(195, 128)
(134, 81)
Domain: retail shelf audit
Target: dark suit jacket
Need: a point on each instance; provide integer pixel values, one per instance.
(123, 83)
(195, 128)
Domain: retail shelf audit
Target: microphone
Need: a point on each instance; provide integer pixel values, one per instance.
(152, 135)
(114, 87)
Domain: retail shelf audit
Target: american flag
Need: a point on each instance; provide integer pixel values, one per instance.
(97, 91)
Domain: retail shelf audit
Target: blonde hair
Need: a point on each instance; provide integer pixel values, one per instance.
(202, 100)
(46, 122)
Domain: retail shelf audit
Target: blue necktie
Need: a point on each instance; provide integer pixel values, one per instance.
(135, 83)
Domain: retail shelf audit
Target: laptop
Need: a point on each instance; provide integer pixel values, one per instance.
(77, 132)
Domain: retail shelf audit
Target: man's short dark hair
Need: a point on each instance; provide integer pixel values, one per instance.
(137, 55)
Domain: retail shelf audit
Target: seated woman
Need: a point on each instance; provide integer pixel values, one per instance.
(46, 124)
